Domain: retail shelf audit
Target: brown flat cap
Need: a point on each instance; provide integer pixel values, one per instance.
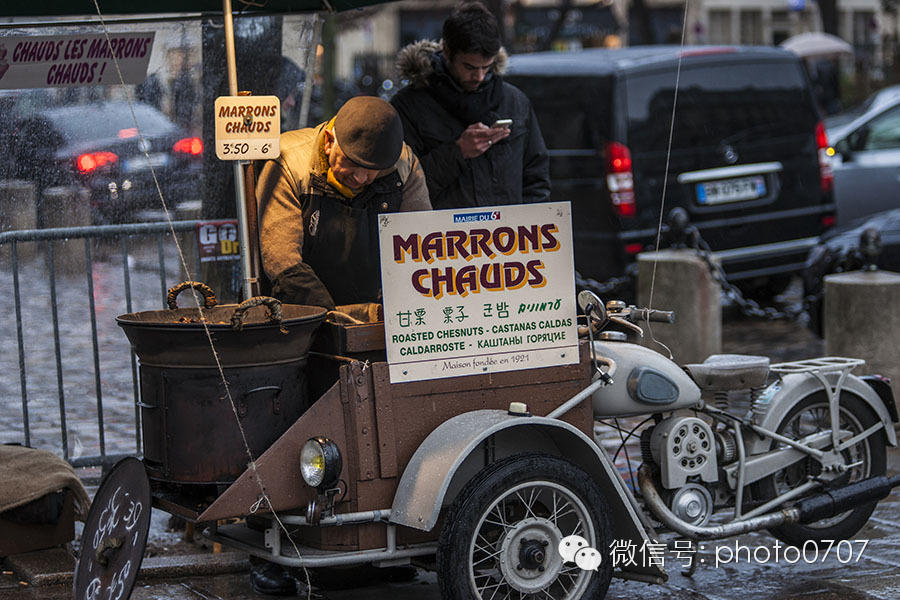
(369, 132)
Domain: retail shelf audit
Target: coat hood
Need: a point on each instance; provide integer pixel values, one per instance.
(414, 61)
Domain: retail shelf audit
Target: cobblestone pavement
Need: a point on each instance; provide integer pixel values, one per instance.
(76, 369)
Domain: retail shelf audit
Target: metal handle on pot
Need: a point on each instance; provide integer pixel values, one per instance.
(209, 296)
(274, 306)
(276, 405)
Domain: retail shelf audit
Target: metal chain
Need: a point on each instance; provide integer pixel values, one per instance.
(748, 306)
(601, 288)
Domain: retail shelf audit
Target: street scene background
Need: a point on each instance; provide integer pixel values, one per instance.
(62, 385)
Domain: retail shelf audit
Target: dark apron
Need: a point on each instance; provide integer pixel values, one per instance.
(340, 236)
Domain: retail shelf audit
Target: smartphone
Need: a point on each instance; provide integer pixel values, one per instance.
(502, 123)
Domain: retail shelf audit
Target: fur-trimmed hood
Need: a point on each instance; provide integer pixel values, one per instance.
(414, 61)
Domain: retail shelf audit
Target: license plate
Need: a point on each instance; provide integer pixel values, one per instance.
(731, 190)
(142, 163)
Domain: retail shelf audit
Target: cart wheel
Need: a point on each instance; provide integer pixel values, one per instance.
(115, 534)
(868, 455)
(502, 533)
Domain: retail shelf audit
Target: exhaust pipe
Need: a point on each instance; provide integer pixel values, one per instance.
(821, 506)
(715, 532)
(833, 502)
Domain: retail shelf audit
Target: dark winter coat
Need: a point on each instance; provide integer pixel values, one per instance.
(515, 170)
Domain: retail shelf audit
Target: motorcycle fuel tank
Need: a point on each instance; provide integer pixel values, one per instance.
(644, 382)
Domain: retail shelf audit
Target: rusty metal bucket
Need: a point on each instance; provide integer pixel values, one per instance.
(192, 422)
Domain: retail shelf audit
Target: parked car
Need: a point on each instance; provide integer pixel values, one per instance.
(841, 250)
(748, 153)
(105, 149)
(866, 142)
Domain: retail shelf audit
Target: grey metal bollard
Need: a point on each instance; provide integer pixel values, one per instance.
(862, 319)
(187, 241)
(684, 284)
(18, 212)
(67, 206)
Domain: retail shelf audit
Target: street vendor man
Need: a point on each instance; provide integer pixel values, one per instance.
(319, 203)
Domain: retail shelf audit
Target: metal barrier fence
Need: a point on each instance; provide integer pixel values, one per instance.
(135, 250)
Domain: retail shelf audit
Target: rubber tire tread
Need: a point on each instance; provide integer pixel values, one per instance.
(470, 504)
(796, 534)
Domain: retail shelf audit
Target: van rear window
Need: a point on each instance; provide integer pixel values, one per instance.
(716, 104)
(572, 112)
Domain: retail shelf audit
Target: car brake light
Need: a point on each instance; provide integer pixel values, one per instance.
(633, 249)
(192, 146)
(826, 175)
(829, 221)
(619, 179)
(129, 132)
(91, 161)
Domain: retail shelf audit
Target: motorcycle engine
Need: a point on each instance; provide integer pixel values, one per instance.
(683, 447)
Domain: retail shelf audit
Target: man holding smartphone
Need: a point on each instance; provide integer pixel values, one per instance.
(476, 135)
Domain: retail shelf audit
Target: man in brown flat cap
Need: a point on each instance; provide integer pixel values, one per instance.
(319, 204)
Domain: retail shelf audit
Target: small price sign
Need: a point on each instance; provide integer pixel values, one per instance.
(248, 127)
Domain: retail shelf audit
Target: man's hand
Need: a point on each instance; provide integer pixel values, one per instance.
(478, 138)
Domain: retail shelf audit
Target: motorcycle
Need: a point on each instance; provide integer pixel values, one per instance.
(736, 444)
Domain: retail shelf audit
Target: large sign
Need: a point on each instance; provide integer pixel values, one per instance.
(478, 291)
(63, 60)
(248, 127)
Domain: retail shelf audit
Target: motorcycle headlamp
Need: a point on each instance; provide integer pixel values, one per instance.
(320, 463)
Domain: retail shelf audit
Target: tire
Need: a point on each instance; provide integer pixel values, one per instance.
(478, 556)
(809, 416)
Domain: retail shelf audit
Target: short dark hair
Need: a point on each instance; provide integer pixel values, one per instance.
(472, 29)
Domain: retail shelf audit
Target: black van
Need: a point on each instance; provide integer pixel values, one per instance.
(748, 153)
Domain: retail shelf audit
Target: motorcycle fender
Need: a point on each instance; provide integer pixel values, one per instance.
(782, 395)
(450, 455)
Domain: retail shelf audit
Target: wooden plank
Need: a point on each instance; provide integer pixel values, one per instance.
(341, 339)
(384, 417)
(363, 409)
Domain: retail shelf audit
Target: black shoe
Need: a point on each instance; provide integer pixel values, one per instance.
(272, 579)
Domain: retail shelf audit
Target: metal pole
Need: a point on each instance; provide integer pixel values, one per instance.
(239, 194)
(310, 74)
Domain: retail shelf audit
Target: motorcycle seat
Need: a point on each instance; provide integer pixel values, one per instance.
(723, 372)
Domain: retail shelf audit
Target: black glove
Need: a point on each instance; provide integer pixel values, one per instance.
(300, 285)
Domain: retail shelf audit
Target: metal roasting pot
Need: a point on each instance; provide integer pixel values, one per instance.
(191, 430)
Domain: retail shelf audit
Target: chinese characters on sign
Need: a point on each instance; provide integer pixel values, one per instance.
(218, 240)
(478, 291)
(64, 60)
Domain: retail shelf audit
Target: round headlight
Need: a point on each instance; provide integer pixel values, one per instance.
(320, 463)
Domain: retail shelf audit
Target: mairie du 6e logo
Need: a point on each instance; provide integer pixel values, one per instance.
(490, 215)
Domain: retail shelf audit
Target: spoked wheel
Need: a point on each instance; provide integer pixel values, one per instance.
(502, 534)
(864, 458)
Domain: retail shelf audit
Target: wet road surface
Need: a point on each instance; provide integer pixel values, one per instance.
(870, 572)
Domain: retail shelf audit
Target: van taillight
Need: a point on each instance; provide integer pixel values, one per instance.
(619, 179)
(826, 175)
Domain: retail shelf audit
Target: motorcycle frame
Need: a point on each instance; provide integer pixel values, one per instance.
(796, 381)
